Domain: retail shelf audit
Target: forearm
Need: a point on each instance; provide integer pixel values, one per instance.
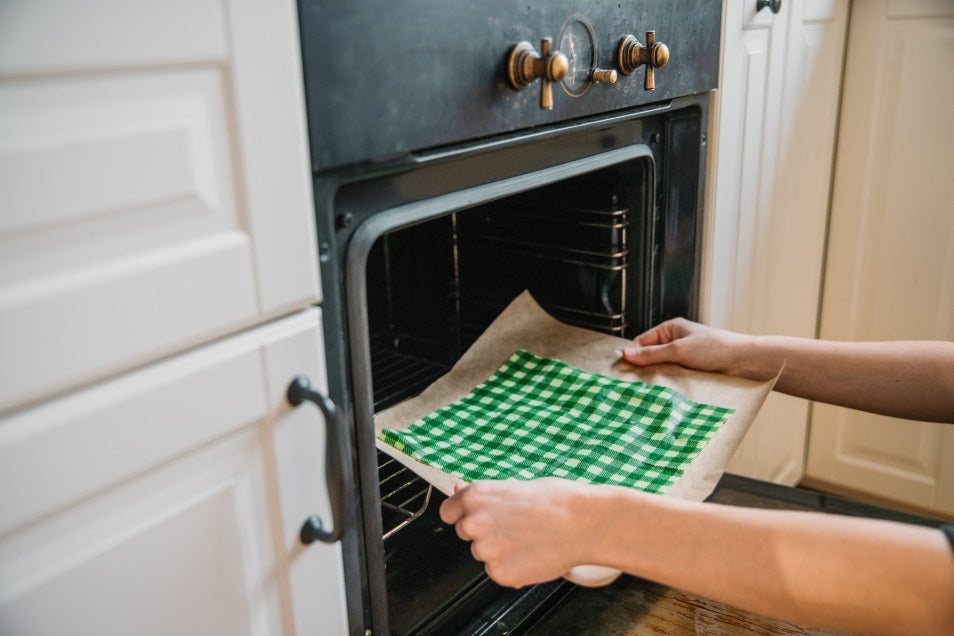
(911, 379)
(809, 568)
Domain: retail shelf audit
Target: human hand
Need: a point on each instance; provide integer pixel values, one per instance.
(525, 532)
(687, 344)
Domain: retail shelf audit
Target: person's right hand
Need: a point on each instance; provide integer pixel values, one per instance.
(687, 344)
(525, 532)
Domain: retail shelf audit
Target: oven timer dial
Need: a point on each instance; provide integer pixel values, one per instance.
(578, 42)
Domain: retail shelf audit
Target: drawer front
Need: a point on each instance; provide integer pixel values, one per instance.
(170, 500)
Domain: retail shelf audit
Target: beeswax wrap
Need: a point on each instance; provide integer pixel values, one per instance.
(539, 417)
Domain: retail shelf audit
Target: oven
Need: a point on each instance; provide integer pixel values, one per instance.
(464, 152)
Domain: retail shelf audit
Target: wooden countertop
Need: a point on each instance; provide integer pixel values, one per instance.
(634, 607)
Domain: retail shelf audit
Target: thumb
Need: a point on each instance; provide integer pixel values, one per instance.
(646, 355)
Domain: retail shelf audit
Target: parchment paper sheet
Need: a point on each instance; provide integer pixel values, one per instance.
(525, 325)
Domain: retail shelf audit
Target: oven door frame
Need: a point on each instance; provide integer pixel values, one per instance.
(352, 213)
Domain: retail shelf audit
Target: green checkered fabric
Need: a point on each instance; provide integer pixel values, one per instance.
(538, 417)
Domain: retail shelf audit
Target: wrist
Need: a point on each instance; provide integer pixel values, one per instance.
(614, 515)
(759, 358)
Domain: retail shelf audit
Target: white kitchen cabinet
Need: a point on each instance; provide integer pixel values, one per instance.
(157, 271)
(775, 124)
(169, 500)
(154, 183)
(890, 272)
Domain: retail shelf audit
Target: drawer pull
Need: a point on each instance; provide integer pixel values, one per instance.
(774, 5)
(337, 466)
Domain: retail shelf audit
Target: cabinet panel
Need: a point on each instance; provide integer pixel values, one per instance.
(169, 500)
(154, 183)
(750, 91)
(276, 164)
(890, 272)
(122, 157)
(298, 446)
(776, 125)
(53, 447)
(134, 570)
(49, 36)
(752, 54)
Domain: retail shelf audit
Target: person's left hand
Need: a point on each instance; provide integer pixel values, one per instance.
(525, 532)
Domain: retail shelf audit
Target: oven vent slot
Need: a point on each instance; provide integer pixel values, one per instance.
(404, 495)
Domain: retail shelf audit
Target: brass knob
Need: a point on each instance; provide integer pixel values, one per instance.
(631, 54)
(524, 65)
(604, 76)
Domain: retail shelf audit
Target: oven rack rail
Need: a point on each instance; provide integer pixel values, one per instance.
(611, 321)
(398, 375)
(404, 495)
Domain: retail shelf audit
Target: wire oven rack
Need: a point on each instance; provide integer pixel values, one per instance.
(397, 376)
(584, 247)
(404, 495)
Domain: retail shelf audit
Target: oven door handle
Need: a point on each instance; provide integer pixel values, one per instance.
(337, 466)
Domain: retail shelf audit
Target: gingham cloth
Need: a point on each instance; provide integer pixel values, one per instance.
(537, 417)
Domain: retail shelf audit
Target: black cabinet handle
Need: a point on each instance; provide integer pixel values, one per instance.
(337, 466)
(774, 5)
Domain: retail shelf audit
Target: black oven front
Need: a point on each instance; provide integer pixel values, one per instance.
(442, 191)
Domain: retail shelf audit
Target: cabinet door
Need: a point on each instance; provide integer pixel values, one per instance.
(890, 272)
(154, 183)
(169, 501)
(778, 106)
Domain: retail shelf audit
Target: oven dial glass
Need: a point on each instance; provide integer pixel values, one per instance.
(578, 42)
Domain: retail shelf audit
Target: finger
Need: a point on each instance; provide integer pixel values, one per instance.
(475, 551)
(451, 510)
(643, 356)
(663, 333)
(657, 335)
(495, 573)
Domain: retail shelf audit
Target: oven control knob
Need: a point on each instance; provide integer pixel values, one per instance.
(631, 54)
(604, 76)
(524, 65)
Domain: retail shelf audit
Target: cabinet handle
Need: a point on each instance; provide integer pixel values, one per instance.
(337, 466)
(774, 5)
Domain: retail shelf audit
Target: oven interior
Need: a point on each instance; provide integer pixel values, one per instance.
(584, 248)
(577, 245)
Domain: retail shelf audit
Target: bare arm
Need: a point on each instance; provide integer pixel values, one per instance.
(810, 568)
(910, 379)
